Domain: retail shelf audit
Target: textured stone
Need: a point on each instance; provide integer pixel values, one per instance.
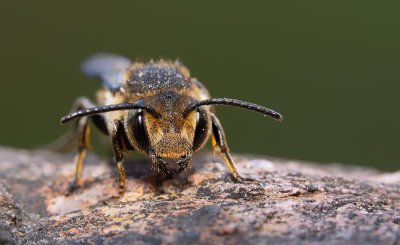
(292, 202)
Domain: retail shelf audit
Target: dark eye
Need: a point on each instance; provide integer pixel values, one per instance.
(202, 128)
(136, 124)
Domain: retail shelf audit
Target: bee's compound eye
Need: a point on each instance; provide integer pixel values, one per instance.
(201, 133)
(137, 127)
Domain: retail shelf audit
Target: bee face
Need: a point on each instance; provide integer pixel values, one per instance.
(167, 139)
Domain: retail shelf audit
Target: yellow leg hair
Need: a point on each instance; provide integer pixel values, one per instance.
(78, 166)
(234, 170)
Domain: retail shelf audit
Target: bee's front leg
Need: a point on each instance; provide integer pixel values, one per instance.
(118, 149)
(219, 140)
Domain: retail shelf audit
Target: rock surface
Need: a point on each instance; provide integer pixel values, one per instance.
(292, 203)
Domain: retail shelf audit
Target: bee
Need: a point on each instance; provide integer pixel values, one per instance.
(155, 108)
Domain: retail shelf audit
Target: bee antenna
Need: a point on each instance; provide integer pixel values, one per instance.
(101, 109)
(236, 103)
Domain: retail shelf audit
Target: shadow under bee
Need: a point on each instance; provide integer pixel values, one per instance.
(140, 169)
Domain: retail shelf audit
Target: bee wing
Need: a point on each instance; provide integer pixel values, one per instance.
(110, 68)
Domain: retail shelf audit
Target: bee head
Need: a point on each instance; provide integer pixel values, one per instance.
(169, 137)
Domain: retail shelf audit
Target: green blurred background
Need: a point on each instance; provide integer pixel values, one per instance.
(330, 67)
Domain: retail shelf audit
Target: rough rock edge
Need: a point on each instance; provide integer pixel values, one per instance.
(14, 222)
(293, 202)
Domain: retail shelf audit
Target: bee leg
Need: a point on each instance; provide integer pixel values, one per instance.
(81, 137)
(220, 140)
(117, 142)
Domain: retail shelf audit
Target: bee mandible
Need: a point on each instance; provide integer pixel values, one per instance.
(155, 108)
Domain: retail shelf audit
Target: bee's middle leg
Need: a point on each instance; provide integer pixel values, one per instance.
(81, 135)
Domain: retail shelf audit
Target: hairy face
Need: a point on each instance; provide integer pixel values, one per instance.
(170, 136)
